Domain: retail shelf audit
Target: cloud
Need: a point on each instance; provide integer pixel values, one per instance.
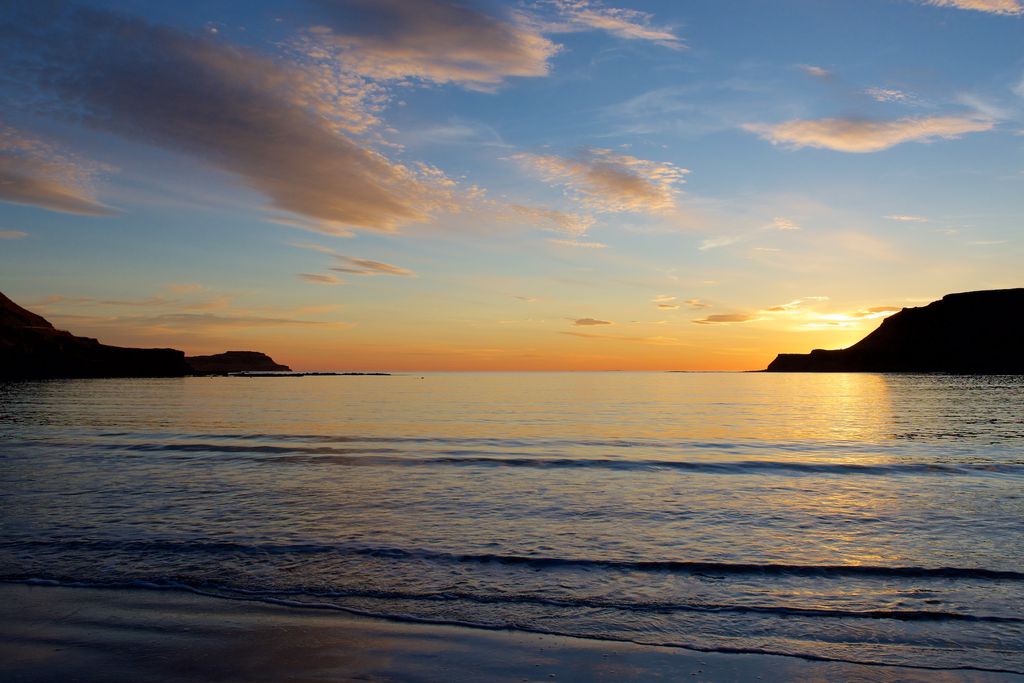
(816, 71)
(184, 287)
(902, 218)
(561, 221)
(780, 223)
(859, 135)
(663, 299)
(12, 234)
(318, 279)
(586, 322)
(697, 303)
(887, 94)
(581, 244)
(717, 242)
(37, 173)
(605, 181)
(656, 341)
(527, 299)
(624, 23)
(229, 107)
(668, 307)
(362, 266)
(439, 41)
(1008, 7)
(726, 318)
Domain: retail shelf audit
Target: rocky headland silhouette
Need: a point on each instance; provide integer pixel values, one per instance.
(965, 333)
(32, 348)
(235, 361)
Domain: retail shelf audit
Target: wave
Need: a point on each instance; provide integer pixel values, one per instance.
(393, 457)
(701, 568)
(567, 602)
(275, 598)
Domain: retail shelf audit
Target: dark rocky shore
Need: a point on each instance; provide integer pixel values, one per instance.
(32, 348)
(966, 333)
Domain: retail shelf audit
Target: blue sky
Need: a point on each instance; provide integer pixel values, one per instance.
(428, 184)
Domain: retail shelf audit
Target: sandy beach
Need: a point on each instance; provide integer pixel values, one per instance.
(87, 634)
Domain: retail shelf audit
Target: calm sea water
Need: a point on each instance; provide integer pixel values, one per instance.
(868, 518)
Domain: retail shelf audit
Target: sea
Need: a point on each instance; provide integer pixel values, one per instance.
(867, 518)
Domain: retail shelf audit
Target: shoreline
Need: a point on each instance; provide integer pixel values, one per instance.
(131, 634)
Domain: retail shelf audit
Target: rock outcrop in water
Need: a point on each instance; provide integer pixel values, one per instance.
(32, 348)
(966, 333)
(235, 361)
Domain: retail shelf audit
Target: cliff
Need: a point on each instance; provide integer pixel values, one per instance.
(965, 333)
(235, 361)
(32, 348)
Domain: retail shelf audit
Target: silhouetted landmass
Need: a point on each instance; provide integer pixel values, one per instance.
(313, 374)
(235, 361)
(966, 333)
(32, 348)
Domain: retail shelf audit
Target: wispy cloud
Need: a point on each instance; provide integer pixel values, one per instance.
(726, 318)
(906, 218)
(887, 94)
(697, 303)
(605, 181)
(816, 71)
(656, 341)
(12, 234)
(362, 266)
(624, 23)
(320, 279)
(561, 221)
(718, 242)
(588, 322)
(782, 223)
(37, 173)
(1007, 7)
(580, 244)
(668, 307)
(859, 135)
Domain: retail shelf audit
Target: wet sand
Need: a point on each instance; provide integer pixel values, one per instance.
(89, 634)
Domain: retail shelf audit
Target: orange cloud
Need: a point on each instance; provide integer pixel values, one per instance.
(319, 279)
(362, 266)
(857, 135)
(36, 173)
(726, 318)
(605, 181)
(431, 40)
(587, 322)
(232, 109)
(1008, 7)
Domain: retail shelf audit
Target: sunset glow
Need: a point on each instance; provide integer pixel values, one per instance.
(549, 185)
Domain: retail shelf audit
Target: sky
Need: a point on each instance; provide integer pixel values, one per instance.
(535, 185)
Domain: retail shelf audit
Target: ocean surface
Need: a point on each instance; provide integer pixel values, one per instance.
(867, 518)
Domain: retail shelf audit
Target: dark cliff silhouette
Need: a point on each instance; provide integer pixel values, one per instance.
(235, 361)
(32, 348)
(966, 333)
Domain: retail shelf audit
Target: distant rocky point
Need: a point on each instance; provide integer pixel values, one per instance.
(32, 348)
(235, 361)
(965, 333)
